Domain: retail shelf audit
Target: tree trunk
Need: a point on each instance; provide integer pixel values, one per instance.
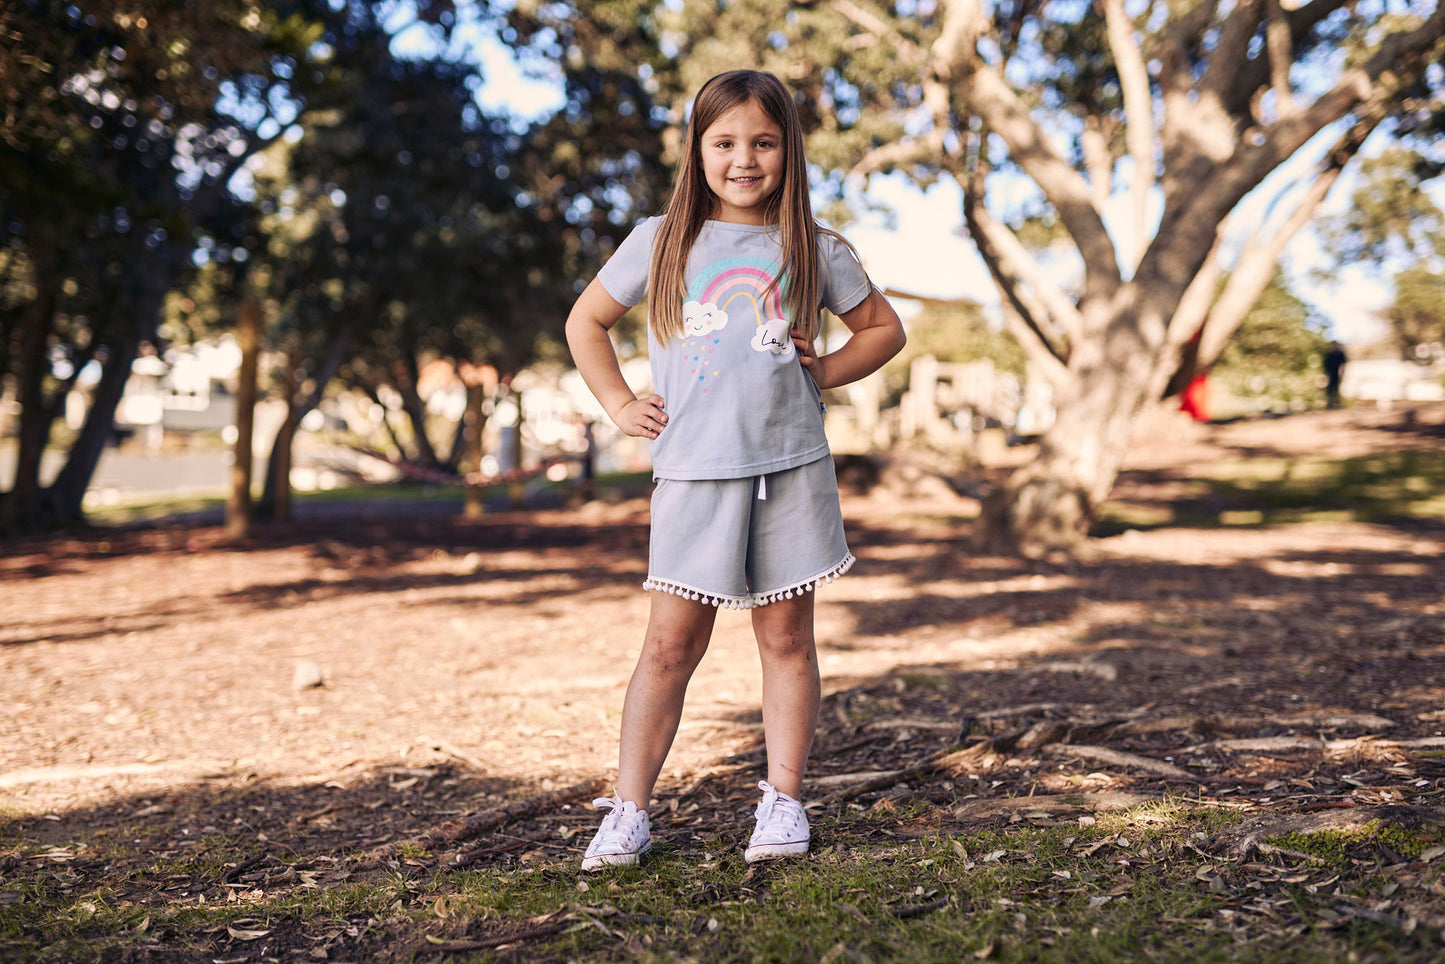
(248, 336)
(36, 321)
(474, 421)
(139, 299)
(1048, 506)
(275, 503)
(276, 495)
(65, 498)
(405, 374)
(280, 465)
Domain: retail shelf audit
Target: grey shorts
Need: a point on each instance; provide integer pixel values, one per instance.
(741, 543)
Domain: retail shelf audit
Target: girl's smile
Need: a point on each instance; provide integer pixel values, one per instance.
(742, 161)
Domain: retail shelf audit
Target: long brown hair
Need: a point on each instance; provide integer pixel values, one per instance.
(692, 203)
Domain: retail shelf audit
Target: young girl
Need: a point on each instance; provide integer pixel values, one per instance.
(745, 511)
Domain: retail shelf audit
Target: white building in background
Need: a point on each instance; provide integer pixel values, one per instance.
(1384, 380)
(188, 389)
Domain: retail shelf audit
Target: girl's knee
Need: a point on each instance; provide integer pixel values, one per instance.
(671, 651)
(784, 629)
(786, 643)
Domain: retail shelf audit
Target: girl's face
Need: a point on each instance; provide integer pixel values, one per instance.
(742, 161)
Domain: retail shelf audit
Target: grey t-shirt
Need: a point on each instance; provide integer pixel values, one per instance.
(738, 401)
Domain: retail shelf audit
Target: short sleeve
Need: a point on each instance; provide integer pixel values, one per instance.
(845, 283)
(625, 273)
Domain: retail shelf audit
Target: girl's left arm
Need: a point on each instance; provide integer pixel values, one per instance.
(877, 336)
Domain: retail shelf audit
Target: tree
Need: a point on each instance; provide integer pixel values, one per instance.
(1273, 360)
(419, 229)
(1394, 221)
(1188, 108)
(1392, 216)
(1417, 314)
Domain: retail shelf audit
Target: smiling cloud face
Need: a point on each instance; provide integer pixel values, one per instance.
(699, 318)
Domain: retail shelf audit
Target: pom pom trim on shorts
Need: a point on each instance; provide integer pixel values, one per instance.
(753, 600)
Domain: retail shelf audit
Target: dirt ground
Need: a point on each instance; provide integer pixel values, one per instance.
(378, 675)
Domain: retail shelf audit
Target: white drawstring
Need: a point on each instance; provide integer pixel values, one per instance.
(763, 488)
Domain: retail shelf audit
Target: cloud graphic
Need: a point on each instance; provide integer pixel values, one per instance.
(699, 318)
(772, 335)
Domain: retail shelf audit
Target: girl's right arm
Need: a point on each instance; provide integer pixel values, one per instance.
(592, 317)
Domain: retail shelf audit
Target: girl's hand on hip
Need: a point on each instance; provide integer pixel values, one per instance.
(808, 355)
(642, 417)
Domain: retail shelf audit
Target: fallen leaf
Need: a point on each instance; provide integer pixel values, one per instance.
(246, 930)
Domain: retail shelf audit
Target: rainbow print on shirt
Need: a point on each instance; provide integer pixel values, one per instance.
(738, 288)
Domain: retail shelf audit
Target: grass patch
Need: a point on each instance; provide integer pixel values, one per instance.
(1127, 888)
(1391, 485)
(880, 885)
(1386, 487)
(1373, 841)
(610, 487)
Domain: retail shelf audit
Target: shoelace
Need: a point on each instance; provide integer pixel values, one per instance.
(612, 833)
(775, 809)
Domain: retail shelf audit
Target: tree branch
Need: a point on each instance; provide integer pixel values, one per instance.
(1216, 319)
(935, 98)
(1232, 49)
(1260, 258)
(985, 90)
(1250, 74)
(1138, 111)
(1014, 260)
(1098, 159)
(875, 27)
(1280, 45)
(1208, 195)
(1185, 32)
(1193, 309)
(896, 154)
(1026, 308)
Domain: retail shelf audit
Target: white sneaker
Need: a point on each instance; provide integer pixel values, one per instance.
(625, 835)
(782, 829)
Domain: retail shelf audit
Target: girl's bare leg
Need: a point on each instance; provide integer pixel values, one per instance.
(678, 631)
(791, 688)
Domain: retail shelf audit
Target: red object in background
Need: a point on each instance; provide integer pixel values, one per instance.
(1194, 401)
